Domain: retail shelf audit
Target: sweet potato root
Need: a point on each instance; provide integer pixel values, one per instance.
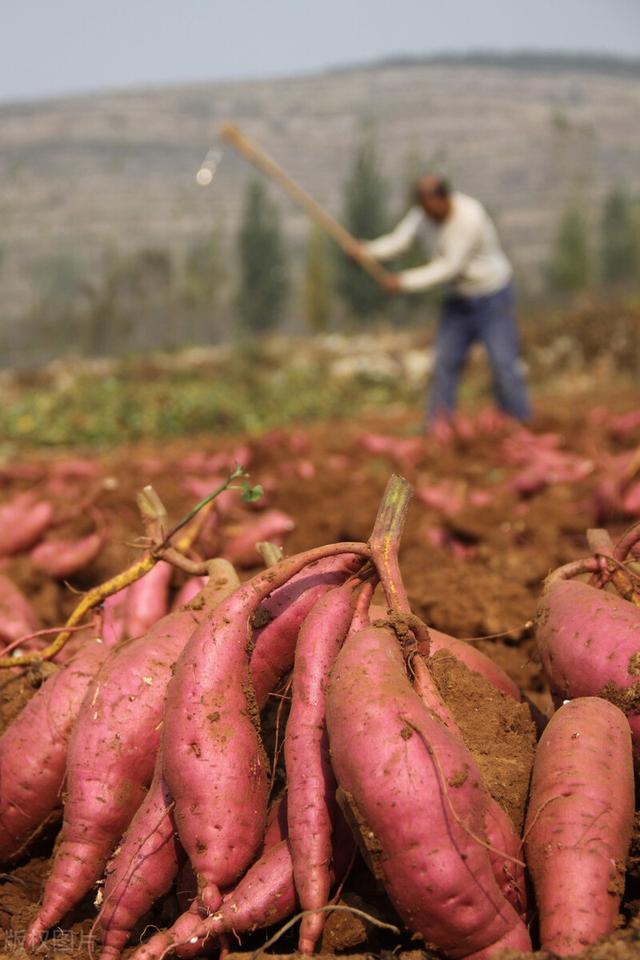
(501, 835)
(17, 616)
(271, 525)
(112, 751)
(62, 558)
(472, 658)
(23, 521)
(211, 745)
(148, 599)
(33, 750)
(266, 895)
(283, 613)
(311, 783)
(579, 823)
(589, 644)
(143, 868)
(409, 783)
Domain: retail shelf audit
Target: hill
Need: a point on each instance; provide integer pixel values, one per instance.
(84, 177)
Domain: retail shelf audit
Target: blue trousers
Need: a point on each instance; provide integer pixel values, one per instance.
(491, 321)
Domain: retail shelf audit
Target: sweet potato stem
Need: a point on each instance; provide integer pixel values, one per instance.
(575, 568)
(385, 540)
(154, 516)
(601, 545)
(627, 542)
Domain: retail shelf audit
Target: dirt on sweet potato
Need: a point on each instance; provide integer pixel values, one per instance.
(498, 731)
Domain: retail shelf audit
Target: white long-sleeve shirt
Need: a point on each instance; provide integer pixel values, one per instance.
(467, 255)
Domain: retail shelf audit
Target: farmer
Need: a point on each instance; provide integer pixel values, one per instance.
(478, 304)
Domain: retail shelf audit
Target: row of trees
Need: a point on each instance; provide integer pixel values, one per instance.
(578, 264)
(155, 298)
(585, 256)
(263, 274)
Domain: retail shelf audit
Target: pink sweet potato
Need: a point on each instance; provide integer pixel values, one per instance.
(505, 855)
(112, 751)
(579, 823)
(142, 869)
(406, 452)
(283, 613)
(265, 896)
(62, 558)
(148, 599)
(211, 746)
(23, 521)
(475, 660)
(114, 612)
(411, 787)
(33, 750)
(271, 525)
(447, 497)
(466, 653)
(589, 644)
(187, 591)
(147, 861)
(500, 833)
(312, 786)
(17, 616)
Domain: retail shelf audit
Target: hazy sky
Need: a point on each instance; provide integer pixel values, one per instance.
(48, 47)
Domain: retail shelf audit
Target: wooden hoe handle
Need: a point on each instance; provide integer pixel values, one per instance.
(352, 247)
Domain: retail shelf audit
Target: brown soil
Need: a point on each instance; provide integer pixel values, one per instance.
(488, 593)
(499, 732)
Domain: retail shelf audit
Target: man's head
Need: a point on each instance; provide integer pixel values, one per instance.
(434, 196)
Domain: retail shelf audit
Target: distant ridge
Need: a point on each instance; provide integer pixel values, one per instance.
(88, 177)
(519, 59)
(516, 60)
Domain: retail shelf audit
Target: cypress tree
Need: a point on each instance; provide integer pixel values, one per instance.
(365, 218)
(570, 267)
(264, 283)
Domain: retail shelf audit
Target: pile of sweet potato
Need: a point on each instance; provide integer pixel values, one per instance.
(153, 748)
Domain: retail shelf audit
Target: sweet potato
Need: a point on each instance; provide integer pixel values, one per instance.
(471, 657)
(272, 525)
(62, 558)
(17, 616)
(148, 599)
(146, 863)
(112, 751)
(505, 855)
(187, 591)
(114, 612)
(23, 521)
(211, 746)
(406, 452)
(410, 785)
(143, 868)
(475, 660)
(283, 613)
(310, 780)
(579, 823)
(589, 645)
(266, 895)
(33, 750)
(500, 833)
(447, 497)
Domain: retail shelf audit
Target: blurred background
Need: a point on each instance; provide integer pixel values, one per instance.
(119, 271)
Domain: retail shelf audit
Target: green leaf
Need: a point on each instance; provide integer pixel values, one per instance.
(251, 494)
